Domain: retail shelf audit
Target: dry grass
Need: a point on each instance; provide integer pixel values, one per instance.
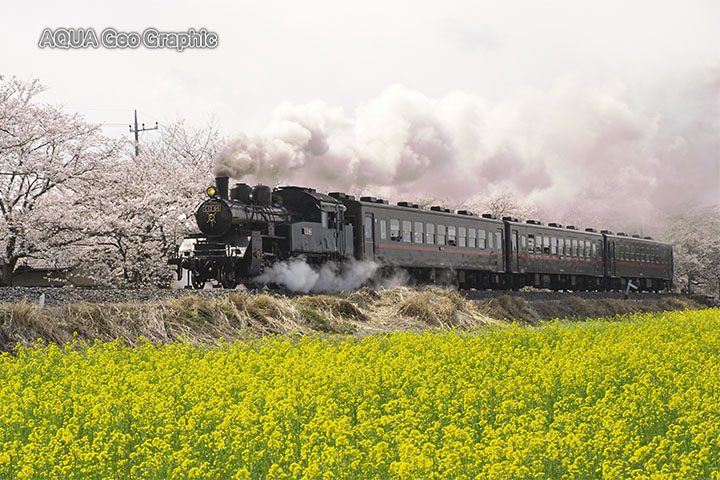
(242, 316)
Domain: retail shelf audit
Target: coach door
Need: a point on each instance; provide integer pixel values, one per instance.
(499, 244)
(368, 236)
(514, 252)
(611, 259)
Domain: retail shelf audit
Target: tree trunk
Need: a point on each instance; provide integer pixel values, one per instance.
(8, 267)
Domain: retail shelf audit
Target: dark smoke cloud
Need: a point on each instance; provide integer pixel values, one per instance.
(606, 155)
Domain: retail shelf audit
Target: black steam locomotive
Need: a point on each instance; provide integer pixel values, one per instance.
(249, 229)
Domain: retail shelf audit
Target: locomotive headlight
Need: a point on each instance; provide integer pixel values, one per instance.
(211, 191)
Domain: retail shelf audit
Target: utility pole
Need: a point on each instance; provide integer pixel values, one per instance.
(138, 130)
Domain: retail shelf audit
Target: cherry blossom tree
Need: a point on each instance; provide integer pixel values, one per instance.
(50, 163)
(148, 202)
(695, 234)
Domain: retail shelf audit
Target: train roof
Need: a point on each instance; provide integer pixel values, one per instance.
(633, 238)
(554, 227)
(410, 207)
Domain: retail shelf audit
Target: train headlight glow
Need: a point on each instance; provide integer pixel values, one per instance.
(211, 191)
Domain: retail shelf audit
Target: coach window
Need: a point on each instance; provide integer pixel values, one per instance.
(531, 243)
(523, 243)
(395, 230)
(452, 237)
(481, 238)
(568, 247)
(430, 233)
(561, 246)
(593, 250)
(472, 240)
(553, 245)
(538, 244)
(441, 234)
(574, 248)
(383, 230)
(498, 240)
(546, 245)
(490, 240)
(418, 232)
(407, 231)
(462, 235)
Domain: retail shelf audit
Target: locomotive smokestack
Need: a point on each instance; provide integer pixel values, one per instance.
(222, 186)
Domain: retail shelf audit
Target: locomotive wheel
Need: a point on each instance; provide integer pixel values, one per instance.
(197, 281)
(227, 278)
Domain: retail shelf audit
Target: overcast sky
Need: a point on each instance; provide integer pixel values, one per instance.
(346, 53)
(582, 108)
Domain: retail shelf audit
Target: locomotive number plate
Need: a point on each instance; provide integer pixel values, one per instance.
(211, 208)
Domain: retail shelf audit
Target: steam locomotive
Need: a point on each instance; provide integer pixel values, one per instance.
(248, 229)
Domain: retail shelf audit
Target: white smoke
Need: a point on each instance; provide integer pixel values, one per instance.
(298, 276)
(578, 152)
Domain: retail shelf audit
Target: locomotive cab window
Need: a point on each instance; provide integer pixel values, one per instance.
(407, 231)
(418, 232)
(395, 230)
(462, 237)
(331, 220)
(430, 233)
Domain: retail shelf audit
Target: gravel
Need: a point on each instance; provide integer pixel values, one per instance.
(63, 295)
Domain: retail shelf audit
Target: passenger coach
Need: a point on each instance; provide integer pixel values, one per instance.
(553, 256)
(644, 261)
(427, 241)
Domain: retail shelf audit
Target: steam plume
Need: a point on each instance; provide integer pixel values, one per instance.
(298, 276)
(609, 153)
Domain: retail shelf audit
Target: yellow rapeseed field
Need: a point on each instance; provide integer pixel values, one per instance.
(630, 397)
